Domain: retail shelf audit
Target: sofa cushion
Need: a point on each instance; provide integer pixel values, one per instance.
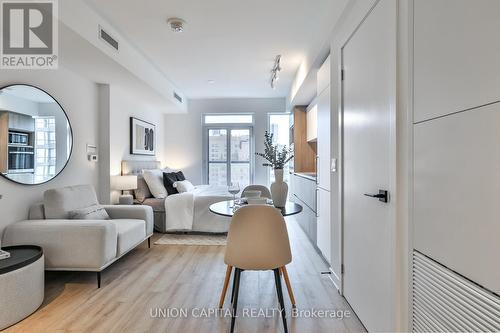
(37, 212)
(60, 202)
(130, 233)
(94, 212)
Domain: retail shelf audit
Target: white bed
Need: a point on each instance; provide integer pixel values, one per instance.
(188, 212)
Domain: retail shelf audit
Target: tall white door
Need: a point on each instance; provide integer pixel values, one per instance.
(369, 63)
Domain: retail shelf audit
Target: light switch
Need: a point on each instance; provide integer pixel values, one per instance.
(334, 165)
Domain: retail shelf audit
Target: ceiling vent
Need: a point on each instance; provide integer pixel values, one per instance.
(105, 37)
(177, 97)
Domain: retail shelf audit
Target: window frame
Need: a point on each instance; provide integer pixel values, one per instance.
(228, 127)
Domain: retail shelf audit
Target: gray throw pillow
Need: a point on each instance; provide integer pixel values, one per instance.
(142, 192)
(95, 212)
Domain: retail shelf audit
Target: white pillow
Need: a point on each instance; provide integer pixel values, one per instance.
(154, 179)
(184, 186)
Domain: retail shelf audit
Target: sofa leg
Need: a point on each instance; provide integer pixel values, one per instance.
(98, 279)
(149, 242)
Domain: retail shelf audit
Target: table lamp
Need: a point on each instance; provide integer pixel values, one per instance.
(124, 184)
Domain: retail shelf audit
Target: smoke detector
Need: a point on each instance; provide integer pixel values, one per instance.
(176, 24)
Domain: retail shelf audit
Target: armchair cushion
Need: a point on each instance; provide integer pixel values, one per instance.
(37, 212)
(78, 244)
(130, 233)
(137, 212)
(60, 202)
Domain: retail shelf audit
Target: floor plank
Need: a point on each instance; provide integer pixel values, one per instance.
(187, 277)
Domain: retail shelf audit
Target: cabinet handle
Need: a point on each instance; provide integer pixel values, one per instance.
(317, 169)
(317, 202)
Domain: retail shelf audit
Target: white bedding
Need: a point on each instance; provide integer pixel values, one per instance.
(190, 210)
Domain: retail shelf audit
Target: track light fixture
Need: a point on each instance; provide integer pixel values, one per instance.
(275, 72)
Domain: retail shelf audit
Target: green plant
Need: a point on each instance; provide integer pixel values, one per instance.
(275, 156)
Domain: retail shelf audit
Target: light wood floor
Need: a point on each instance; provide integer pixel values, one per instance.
(187, 277)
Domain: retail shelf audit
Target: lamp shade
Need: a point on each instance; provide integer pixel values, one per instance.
(124, 183)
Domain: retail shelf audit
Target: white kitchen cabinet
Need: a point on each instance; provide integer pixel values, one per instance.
(312, 123)
(323, 141)
(457, 56)
(21, 122)
(305, 189)
(324, 241)
(304, 193)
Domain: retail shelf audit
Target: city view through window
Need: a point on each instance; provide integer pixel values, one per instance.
(229, 159)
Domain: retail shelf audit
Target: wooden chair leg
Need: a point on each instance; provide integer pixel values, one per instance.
(224, 288)
(288, 285)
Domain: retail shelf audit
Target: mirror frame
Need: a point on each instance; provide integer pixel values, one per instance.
(70, 129)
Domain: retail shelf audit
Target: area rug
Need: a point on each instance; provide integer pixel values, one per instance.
(196, 240)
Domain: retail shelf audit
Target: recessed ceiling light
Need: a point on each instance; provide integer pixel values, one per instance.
(176, 24)
(211, 81)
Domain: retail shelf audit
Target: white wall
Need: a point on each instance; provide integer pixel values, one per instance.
(78, 97)
(124, 104)
(9, 102)
(184, 137)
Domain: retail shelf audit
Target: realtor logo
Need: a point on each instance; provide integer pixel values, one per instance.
(29, 34)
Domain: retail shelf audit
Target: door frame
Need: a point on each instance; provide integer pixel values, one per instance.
(229, 128)
(393, 159)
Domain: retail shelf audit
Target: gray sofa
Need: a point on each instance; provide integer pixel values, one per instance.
(80, 245)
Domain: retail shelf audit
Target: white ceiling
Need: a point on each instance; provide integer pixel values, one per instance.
(29, 93)
(232, 42)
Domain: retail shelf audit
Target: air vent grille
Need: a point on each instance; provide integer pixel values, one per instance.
(444, 301)
(104, 36)
(177, 97)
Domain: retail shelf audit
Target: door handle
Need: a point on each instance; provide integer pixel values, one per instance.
(382, 195)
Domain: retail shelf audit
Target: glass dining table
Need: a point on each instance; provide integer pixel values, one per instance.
(227, 208)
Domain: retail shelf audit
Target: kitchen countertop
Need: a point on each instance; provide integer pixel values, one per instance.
(306, 175)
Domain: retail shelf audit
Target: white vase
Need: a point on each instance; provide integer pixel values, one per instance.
(279, 189)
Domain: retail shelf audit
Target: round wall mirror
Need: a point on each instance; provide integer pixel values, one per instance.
(35, 135)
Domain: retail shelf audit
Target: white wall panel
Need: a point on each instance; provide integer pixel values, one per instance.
(457, 55)
(457, 193)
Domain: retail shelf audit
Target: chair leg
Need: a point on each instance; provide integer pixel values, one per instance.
(277, 279)
(288, 286)
(237, 274)
(98, 280)
(149, 242)
(234, 285)
(224, 287)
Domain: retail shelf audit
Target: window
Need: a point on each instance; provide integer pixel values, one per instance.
(228, 150)
(279, 126)
(45, 147)
(228, 119)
